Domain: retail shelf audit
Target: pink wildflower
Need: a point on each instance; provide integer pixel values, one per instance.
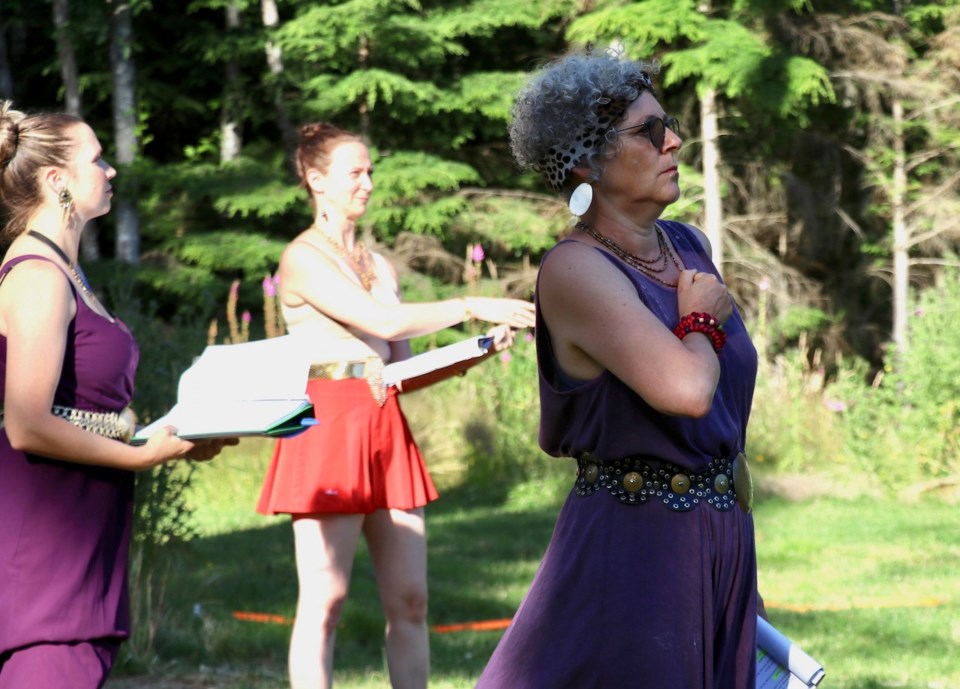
(269, 288)
(246, 317)
(505, 357)
(477, 254)
(835, 405)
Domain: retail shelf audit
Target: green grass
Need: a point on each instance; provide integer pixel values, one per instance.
(870, 587)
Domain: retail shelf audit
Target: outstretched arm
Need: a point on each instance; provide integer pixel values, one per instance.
(308, 276)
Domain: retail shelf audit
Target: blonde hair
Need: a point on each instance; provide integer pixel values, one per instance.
(29, 143)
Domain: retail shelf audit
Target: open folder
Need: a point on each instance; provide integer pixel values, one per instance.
(248, 389)
(781, 664)
(436, 364)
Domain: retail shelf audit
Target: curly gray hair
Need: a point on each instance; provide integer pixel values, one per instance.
(563, 116)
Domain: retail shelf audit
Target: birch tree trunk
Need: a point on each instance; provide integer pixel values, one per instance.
(901, 238)
(125, 129)
(73, 103)
(68, 57)
(712, 199)
(363, 61)
(231, 126)
(6, 75)
(271, 18)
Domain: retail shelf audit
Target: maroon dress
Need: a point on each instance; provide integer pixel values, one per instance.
(64, 527)
(639, 594)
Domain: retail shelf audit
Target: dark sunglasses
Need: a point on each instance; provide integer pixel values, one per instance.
(655, 127)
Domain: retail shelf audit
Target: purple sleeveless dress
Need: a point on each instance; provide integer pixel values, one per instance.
(64, 527)
(640, 595)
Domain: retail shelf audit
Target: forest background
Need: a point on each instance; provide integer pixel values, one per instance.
(821, 151)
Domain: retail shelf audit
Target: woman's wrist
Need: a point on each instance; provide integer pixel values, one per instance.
(700, 322)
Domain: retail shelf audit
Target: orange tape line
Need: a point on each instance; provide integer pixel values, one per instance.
(262, 617)
(483, 626)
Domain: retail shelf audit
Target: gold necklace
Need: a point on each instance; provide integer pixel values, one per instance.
(640, 264)
(75, 272)
(360, 262)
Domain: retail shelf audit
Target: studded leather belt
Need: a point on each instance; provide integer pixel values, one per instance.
(635, 481)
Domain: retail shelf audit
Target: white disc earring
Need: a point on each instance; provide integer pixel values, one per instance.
(580, 199)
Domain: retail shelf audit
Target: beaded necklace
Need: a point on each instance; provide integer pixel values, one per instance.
(645, 266)
(360, 261)
(75, 271)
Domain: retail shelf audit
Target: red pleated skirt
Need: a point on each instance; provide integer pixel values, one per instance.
(360, 457)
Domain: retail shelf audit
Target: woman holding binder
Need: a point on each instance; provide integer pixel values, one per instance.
(646, 379)
(358, 471)
(67, 369)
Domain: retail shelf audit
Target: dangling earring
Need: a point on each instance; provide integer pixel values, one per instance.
(65, 199)
(580, 199)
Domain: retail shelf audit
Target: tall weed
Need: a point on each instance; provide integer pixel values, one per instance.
(502, 435)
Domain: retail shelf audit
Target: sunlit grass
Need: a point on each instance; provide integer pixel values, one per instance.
(870, 586)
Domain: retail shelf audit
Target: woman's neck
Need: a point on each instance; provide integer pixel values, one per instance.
(49, 223)
(338, 228)
(637, 235)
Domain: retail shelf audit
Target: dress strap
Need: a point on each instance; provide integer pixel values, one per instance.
(78, 298)
(13, 262)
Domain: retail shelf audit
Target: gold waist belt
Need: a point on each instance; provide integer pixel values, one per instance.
(340, 370)
(370, 370)
(118, 426)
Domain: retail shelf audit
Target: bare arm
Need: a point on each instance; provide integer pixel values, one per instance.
(598, 323)
(36, 307)
(308, 276)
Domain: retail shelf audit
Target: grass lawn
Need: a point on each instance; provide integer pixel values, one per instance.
(869, 587)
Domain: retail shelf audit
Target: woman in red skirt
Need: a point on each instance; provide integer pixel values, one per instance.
(359, 470)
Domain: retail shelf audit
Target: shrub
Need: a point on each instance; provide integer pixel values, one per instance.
(903, 427)
(794, 426)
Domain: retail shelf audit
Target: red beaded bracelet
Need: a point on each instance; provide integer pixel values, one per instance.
(699, 322)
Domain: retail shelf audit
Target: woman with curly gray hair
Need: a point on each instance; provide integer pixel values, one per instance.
(646, 379)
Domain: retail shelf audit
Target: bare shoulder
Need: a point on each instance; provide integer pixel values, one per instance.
(574, 269)
(300, 254)
(38, 274)
(33, 292)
